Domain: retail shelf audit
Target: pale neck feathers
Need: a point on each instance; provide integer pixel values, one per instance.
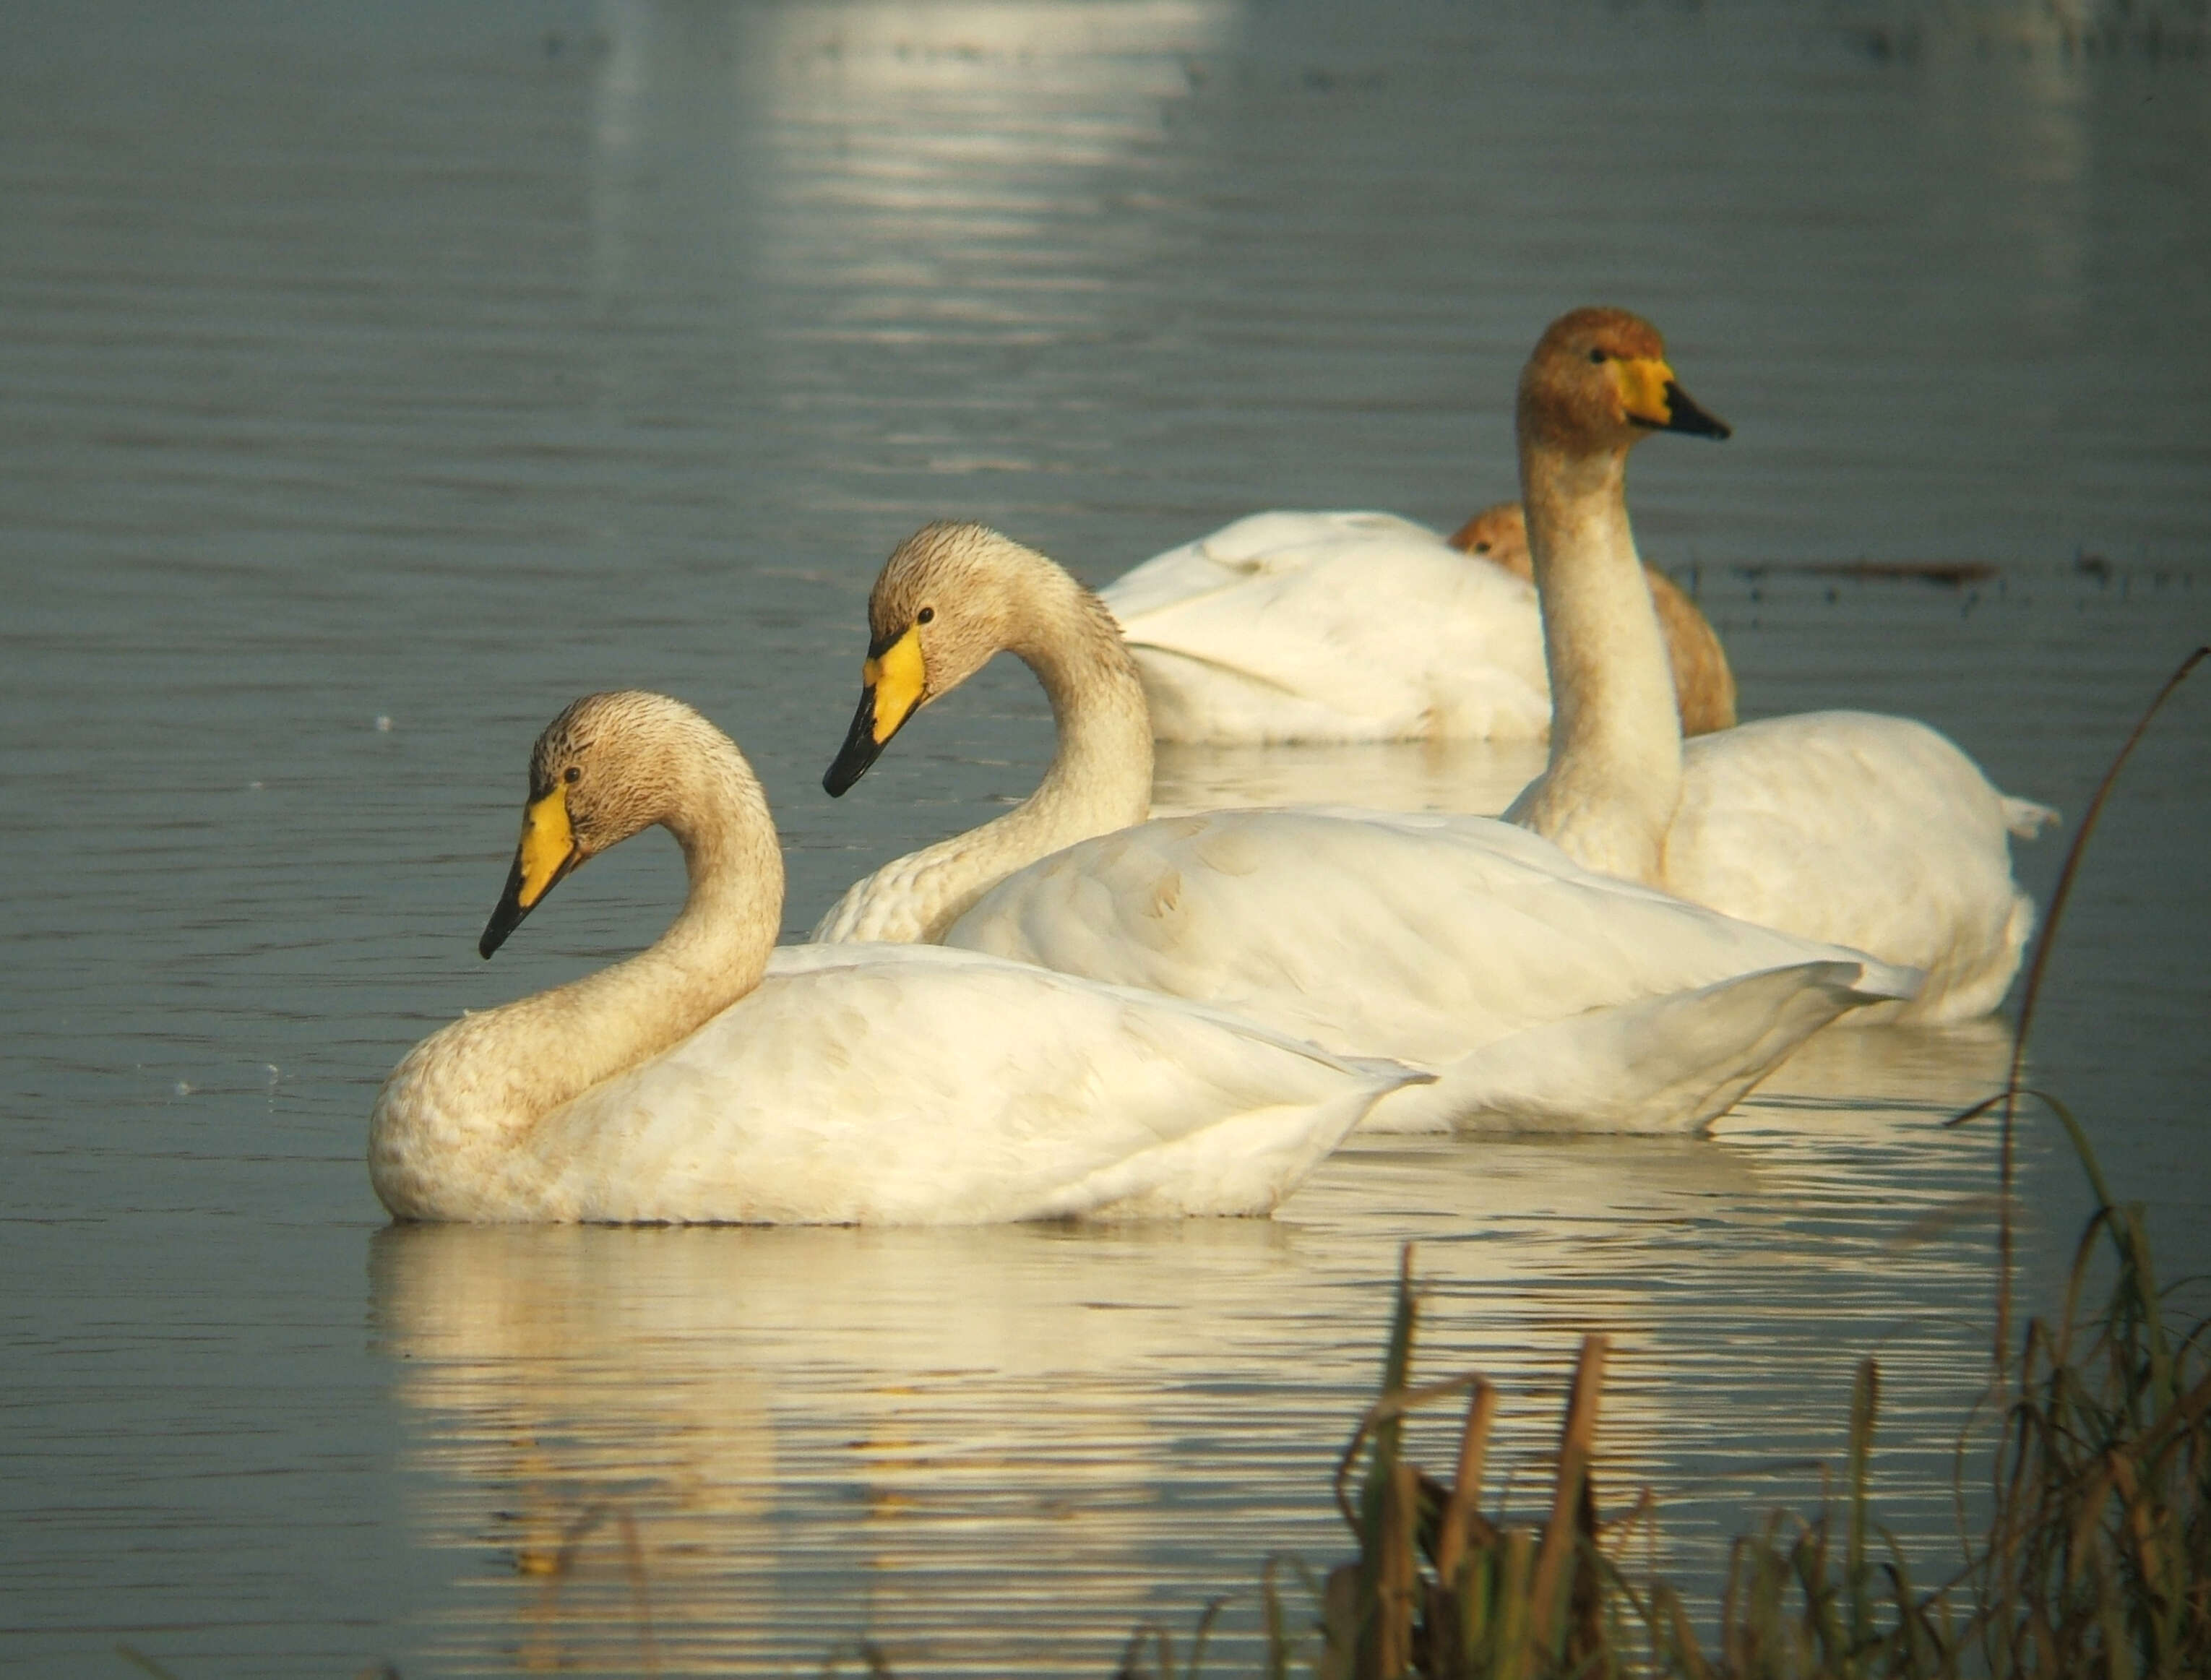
(1614, 776)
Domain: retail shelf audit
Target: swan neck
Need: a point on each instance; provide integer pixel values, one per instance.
(552, 1048)
(1613, 778)
(1100, 774)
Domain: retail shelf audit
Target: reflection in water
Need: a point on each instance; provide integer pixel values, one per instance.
(816, 1434)
(997, 1450)
(933, 157)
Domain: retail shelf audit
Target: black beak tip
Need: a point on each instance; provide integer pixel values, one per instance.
(504, 920)
(1697, 423)
(850, 766)
(507, 915)
(861, 749)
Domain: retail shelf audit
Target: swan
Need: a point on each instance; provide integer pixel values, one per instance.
(1544, 995)
(1864, 830)
(712, 1078)
(1704, 682)
(1363, 627)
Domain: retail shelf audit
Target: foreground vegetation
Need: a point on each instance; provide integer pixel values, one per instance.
(2095, 1564)
(2096, 1561)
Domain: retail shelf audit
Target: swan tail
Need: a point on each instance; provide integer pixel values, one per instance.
(1879, 982)
(2026, 819)
(1667, 1066)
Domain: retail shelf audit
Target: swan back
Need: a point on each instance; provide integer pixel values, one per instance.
(1334, 627)
(1416, 936)
(873, 1084)
(1872, 831)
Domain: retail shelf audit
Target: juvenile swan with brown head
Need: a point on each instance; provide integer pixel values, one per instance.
(1874, 832)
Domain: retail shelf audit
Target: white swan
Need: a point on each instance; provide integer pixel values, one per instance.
(1545, 996)
(705, 1080)
(1363, 627)
(1874, 832)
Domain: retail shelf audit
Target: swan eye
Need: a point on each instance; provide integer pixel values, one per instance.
(1597, 356)
(571, 775)
(926, 615)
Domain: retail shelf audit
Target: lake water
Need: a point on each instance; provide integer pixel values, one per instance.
(374, 379)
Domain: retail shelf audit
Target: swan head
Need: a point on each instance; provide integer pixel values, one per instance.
(945, 602)
(608, 767)
(1499, 534)
(1599, 380)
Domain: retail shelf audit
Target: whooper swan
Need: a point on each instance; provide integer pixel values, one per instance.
(713, 1079)
(1874, 832)
(1545, 996)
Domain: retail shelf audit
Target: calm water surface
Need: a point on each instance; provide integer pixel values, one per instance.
(372, 380)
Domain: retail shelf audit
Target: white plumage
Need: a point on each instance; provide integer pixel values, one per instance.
(1545, 997)
(1871, 831)
(1332, 627)
(707, 1080)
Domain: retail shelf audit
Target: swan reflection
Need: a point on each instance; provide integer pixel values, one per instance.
(748, 1445)
(999, 1449)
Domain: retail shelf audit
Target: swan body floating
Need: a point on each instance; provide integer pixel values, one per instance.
(1364, 627)
(712, 1078)
(1544, 995)
(1870, 831)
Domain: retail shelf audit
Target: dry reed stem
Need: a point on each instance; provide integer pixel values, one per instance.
(2043, 943)
(1397, 1572)
(1575, 1443)
(1466, 1482)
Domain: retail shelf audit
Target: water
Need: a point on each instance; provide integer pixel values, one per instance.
(378, 380)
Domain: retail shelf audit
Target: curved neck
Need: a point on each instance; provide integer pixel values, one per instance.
(1614, 776)
(1101, 775)
(490, 1076)
(1100, 778)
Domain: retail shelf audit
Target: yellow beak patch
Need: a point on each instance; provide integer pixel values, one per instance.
(547, 848)
(898, 680)
(1642, 383)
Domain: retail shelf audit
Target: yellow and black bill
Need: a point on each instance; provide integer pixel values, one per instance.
(894, 683)
(1653, 397)
(548, 851)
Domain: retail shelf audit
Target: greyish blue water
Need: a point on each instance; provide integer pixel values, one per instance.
(376, 378)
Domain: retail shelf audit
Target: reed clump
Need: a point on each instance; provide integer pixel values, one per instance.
(2095, 1563)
